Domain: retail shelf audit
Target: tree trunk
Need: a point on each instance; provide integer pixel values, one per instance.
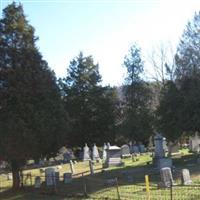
(16, 174)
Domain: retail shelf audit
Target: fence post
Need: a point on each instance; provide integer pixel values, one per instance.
(117, 186)
(84, 186)
(171, 190)
(147, 186)
(31, 179)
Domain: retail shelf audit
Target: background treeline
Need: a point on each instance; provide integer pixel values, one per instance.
(39, 114)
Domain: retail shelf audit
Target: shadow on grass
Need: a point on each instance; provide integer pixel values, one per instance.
(126, 176)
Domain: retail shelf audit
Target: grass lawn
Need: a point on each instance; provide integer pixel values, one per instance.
(130, 180)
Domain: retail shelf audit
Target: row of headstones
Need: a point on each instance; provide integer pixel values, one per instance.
(161, 146)
(167, 178)
(52, 176)
(125, 150)
(132, 148)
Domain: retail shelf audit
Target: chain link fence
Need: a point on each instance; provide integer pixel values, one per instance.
(99, 186)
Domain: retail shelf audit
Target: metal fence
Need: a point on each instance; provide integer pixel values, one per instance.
(99, 186)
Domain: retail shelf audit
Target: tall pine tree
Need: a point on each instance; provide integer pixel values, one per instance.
(32, 121)
(188, 75)
(137, 123)
(90, 106)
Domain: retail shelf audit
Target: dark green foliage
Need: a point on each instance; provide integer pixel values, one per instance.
(188, 73)
(188, 57)
(137, 122)
(32, 120)
(179, 107)
(90, 106)
(169, 112)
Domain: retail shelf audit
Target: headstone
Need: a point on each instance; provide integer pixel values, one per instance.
(173, 147)
(159, 151)
(41, 162)
(37, 182)
(50, 176)
(141, 148)
(104, 152)
(150, 144)
(125, 151)
(91, 167)
(67, 177)
(113, 156)
(86, 153)
(95, 153)
(108, 145)
(194, 143)
(68, 155)
(165, 145)
(166, 177)
(185, 177)
(136, 149)
(72, 167)
(164, 162)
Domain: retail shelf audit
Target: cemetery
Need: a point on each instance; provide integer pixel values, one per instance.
(115, 177)
(131, 134)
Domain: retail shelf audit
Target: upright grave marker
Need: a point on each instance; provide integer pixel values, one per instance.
(159, 159)
(185, 177)
(95, 153)
(113, 156)
(50, 178)
(166, 177)
(104, 152)
(86, 153)
(125, 151)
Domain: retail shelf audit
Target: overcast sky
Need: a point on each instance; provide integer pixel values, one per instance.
(105, 29)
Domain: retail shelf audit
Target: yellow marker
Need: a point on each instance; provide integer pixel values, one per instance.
(147, 186)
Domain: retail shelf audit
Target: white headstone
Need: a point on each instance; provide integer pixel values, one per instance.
(185, 177)
(108, 145)
(113, 156)
(173, 147)
(104, 152)
(86, 153)
(166, 177)
(95, 153)
(194, 143)
(125, 150)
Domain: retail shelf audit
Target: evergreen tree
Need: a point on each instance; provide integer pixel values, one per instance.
(90, 106)
(137, 123)
(188, 73)
(169, 112)
(188, 57)
(32, 121)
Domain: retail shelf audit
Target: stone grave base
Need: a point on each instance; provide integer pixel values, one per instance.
(162, 162)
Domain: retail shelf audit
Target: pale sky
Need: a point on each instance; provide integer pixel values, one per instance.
(105, 29)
